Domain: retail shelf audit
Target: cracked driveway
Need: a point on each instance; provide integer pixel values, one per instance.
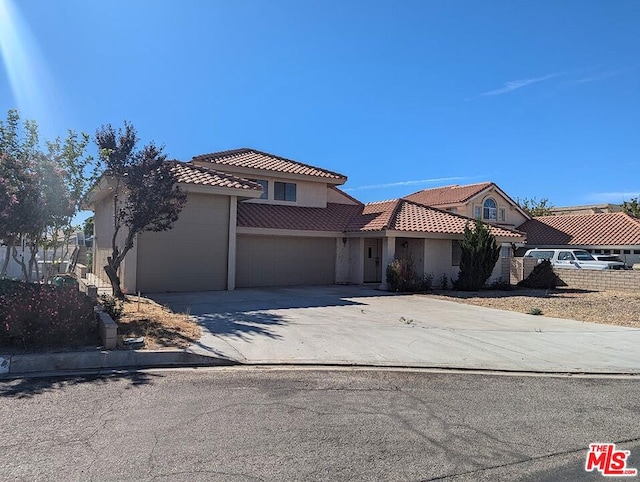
(363, 326)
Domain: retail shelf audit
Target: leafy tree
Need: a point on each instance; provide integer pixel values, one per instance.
(631, 207)
(146, 196)
(479, 253)
(534, 208)
(44, 186)
(87, 227)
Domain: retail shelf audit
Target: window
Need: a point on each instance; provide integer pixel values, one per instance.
(489, 209)
(565, 256)
(284, 191)
(503, 215)
(455, 253)
(505, 251)
(626, 251)
(265, 187)
(477, 213)
(636, 251)
(540, 254)
(616, 251)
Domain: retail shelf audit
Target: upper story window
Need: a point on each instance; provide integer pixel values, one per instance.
(284, 191)
(265, 187)
(490, 210)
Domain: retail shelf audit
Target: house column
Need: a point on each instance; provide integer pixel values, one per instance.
(231, 254)
(388, 254)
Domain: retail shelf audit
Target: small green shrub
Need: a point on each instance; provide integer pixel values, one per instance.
(34, 315)
(535, 311)
(444, 282)
(402, 277)
(113, 306)
(500, 285)
(542, 277)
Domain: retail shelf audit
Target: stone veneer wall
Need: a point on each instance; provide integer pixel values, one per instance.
(605, 280)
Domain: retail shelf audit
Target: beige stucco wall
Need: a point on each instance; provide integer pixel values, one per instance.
(193, 255)
(513, 216)
(437, 260)
(413, 247)
(284, 260)
(103, 232)
(337, 197)
(308, 194)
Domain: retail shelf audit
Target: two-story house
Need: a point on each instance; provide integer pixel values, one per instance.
(256, 219)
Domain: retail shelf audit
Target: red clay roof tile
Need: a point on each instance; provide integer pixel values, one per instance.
(191, 174)
(602, 229)
(268, 216)
(439, 196)
(253, 159)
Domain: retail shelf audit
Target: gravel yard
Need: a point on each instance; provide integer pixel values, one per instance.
(607, 307)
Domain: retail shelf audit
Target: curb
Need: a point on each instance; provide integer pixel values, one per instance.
(16, 366)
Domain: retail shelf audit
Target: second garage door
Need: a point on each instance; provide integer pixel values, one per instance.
(283, 260)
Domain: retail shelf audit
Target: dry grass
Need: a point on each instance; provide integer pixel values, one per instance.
(607, 307)
(160, 327)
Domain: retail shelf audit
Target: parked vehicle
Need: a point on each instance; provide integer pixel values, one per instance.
(610, 257)
(572, 259)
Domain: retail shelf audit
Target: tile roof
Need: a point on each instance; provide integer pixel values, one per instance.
(602, 229)
(268, 216)
(253, 159)
(439, 196)
(395, 215)
(191, 174)
(408, 216)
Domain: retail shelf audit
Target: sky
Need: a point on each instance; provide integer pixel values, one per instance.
(542, 98)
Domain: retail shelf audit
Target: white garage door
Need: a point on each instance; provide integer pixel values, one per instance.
(283, 261)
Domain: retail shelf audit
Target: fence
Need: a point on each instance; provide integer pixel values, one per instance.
(585, 279)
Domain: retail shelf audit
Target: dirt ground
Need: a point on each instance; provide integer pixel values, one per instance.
(160, 327)
(607, 307)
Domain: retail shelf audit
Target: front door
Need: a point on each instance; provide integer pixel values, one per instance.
(372, 260)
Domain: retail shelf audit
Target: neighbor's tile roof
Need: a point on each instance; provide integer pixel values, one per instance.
(395, 215)
(408, 216)
(439, 196)
(268, 216)
(602, 229)
(253, 159)
(191, 174)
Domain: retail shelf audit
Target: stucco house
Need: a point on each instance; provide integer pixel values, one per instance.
(256, 219)
(601, 233)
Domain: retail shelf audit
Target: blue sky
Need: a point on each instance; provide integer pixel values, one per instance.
(542, 98)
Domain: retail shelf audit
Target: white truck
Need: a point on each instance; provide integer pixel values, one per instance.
(572, 259)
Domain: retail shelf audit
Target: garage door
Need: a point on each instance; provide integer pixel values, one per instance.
(283, 260)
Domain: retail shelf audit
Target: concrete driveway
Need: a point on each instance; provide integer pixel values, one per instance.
(363, 326)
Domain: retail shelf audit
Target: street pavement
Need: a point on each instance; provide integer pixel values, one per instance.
(363, 326)
(241, 424)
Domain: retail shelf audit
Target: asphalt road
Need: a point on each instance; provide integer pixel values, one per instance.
(239, 424)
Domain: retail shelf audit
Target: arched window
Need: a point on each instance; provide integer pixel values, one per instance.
(490, 209)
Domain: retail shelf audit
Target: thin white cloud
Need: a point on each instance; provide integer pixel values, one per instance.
(405, 183)
(614, 197)
(597, 77)
(517, 84)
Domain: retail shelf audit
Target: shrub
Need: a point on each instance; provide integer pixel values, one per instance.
(542, 277)
(501, 286)
(402, 276)
(535, 311)
(479, 253)
(444, 282)
(113, 306)
(35, 315)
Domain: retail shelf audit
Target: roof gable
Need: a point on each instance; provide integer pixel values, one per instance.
(254, 159)
(602, 229)
(454, 194)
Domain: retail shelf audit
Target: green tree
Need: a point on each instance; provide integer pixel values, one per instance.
(87, 227)
(534, 208)
(45, 186)
(631, 207)
(146, 195)
(479, 253)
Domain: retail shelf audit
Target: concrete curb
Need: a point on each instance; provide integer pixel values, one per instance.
(16, 366)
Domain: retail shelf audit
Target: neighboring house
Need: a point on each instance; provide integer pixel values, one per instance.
(484, 200)
(255, 219)
(587, 209)
(604, 233)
